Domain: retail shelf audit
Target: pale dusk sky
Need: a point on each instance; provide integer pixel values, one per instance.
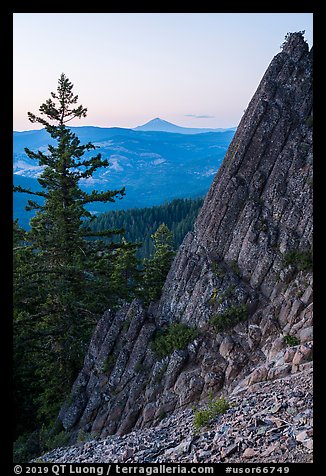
(192, 69)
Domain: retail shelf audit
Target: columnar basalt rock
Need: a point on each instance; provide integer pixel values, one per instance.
(247, 260)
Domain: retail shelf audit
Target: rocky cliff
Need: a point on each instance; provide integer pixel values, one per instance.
(242, 279)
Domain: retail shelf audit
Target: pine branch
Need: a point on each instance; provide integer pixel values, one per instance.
(108, 233)
(91, 162)
(33, 206)
(73, 117)
(109, 196)
(40, 156)
(18, 188)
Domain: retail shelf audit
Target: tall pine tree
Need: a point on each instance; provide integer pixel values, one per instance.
(62, 279)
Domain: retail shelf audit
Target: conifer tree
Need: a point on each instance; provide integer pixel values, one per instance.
(126, 276)
(62, 279)
(157, 268)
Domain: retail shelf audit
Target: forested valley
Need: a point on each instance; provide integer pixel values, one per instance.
(140, 223)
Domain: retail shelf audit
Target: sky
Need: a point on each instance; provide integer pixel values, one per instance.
(192, 69)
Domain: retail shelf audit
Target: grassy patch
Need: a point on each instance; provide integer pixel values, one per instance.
(228, 293)
(301, 260)
(291, 341)
(233, 265)
(229, 318)
(212, 299)
(161, 416)
(217, 270)
(214, 408)
(109, 363)
(175, 336)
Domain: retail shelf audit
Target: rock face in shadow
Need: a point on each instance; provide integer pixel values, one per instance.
(248, 259)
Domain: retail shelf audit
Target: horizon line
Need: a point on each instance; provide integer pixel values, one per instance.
(133, 128)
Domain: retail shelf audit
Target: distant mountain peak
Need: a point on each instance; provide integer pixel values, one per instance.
(160, 125)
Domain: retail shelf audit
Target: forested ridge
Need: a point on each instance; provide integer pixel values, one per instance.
(140, 223)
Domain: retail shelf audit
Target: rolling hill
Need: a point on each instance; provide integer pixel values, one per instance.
(154, 166)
